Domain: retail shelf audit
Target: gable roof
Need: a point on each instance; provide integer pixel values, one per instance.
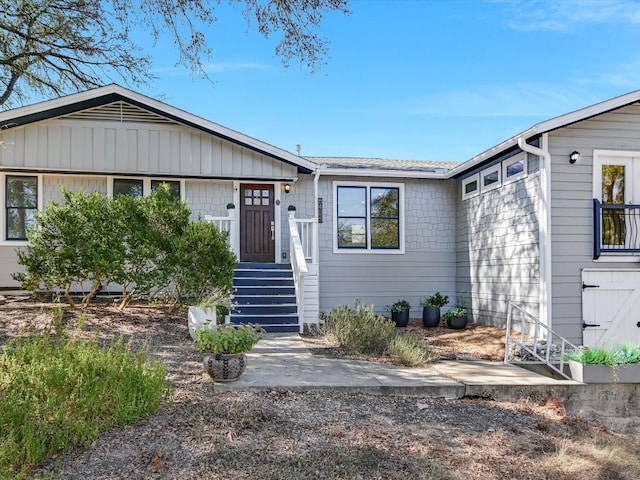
(112, 100)
(548, 126)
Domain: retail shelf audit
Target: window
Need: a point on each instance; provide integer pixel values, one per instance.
(491, 178)
(368, 217)
(127, 186)
(21, 202)
(470, 186)
(514, 168)
(174, 187)
(138, 187)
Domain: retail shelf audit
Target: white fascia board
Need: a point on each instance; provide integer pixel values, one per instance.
(380, 173)
(549, 125)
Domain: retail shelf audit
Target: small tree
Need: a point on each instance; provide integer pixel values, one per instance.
(149, 228)
(202, 262)
(72, 243)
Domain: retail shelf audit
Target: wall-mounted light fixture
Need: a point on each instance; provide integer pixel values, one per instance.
(574, 157)
(287, 188)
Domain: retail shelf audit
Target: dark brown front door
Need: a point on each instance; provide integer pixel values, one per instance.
(257, 225)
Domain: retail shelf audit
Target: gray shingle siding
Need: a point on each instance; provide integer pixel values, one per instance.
(498, 248)
(428, 264)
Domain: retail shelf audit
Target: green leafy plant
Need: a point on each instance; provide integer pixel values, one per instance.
(437, 300)
(58, 392)
(626, 354)
(455, 312)
(360, 331)
(228, 339)
(399, 306)
(409, 351)
(230, 206)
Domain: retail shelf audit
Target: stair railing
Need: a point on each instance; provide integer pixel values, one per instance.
(226, 224)
(530, 340)
(298, 265)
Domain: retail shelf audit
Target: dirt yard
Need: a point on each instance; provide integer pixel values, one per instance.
(325, 434)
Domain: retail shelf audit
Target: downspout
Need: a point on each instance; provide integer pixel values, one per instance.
(544, 226)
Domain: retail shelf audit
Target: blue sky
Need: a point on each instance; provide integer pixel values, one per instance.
(415, 79)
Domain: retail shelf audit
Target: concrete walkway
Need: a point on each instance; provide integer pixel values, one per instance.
(282, 361)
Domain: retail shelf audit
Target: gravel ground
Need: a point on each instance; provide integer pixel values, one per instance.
(295, 435)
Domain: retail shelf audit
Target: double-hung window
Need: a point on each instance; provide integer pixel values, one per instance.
(368, 217)
(21, 205)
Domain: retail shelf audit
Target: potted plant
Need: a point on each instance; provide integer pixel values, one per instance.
(456, 318)
(400, 312)
(431, 309)
(602, 365)
(226, 347)
(205, 313)
(230, 206)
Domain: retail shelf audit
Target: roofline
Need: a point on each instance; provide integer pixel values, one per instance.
(362, 172)
(547, 126)
(110, 93)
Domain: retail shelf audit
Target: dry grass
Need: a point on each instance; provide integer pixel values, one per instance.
(327, 434)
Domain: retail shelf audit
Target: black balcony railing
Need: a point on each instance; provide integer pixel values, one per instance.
(616, 228)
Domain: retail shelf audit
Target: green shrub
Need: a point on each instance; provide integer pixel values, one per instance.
(229, 340)
(408, 350)
(594, 356)
(58, 393)
(359, 329)
(628, 353)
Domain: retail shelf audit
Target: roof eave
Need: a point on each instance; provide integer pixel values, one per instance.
(113, 92)
(548, 126)
(362, 172)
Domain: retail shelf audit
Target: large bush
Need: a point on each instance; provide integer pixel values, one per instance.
(144, 244)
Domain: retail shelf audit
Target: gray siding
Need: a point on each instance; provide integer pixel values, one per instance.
(571, 207)
(427, 266)
(129, 148)
(497, 248)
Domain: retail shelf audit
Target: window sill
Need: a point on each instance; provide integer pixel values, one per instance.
(369, 252)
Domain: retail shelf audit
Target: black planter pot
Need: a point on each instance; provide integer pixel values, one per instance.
(430, 316)
(457, 323)
(400, 318)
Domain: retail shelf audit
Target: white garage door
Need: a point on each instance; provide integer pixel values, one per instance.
(610, 307)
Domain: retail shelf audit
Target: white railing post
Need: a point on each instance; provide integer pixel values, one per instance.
(298, 265)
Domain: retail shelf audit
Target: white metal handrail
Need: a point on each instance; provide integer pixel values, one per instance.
(298, 265)
(530, 340)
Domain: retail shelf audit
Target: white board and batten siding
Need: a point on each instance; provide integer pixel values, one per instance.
(133, 149)
(611, 307)
(572, 213)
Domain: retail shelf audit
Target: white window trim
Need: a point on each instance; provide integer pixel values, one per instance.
(510, 161)
(146, 184)
(614, 157)
(3, 184)
(467, 181)
(497, 168)
(368, 250)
